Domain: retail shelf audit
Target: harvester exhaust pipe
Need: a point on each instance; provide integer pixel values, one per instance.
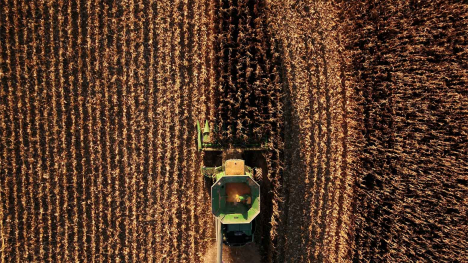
(219, 241)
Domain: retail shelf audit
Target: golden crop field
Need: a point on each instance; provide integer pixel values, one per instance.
(364, 104)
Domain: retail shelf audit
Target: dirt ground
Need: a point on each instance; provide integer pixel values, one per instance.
(364, 103)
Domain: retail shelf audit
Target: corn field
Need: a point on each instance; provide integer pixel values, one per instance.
(364, 103)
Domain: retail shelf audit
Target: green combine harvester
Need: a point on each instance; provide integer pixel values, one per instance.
(235, 195)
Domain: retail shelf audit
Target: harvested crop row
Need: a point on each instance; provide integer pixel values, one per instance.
(97, 113)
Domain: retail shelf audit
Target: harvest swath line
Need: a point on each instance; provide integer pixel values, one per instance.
(327, 155)
(122, 144)
(154, 125)
(166, 138)
(57, 159)
(105, 225)
(49, 81)
(125, 100)
(62, 216)
(83, 222)
(194, 13)
(176, 100)
(186, 90)
(344, 175)
(13, 170)
(42, 132)
(5, 226)
(93, 128)
(97, 105)
(89, 151)
(3, 169)
(285, 145)
(115, 113)
(20, 48)
(159, 72)
(70, 173)
(139, 144)
(310, 142)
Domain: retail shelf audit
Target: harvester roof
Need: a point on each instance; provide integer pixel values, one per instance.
(235, 199)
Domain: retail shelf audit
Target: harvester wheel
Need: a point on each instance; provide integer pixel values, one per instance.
(258, 174)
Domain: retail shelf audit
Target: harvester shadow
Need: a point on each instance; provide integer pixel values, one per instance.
(296, 208)
(303, 230)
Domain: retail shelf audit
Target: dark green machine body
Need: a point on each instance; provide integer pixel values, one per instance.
(235, 195)
(235, 201)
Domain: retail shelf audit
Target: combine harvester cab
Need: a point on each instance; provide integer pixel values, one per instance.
(235, 195)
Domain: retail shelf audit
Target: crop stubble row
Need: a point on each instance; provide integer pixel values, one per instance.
(98, 106)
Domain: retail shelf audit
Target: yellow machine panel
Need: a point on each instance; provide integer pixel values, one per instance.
(235, 167)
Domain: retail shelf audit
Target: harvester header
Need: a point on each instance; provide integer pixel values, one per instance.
(207, 142)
